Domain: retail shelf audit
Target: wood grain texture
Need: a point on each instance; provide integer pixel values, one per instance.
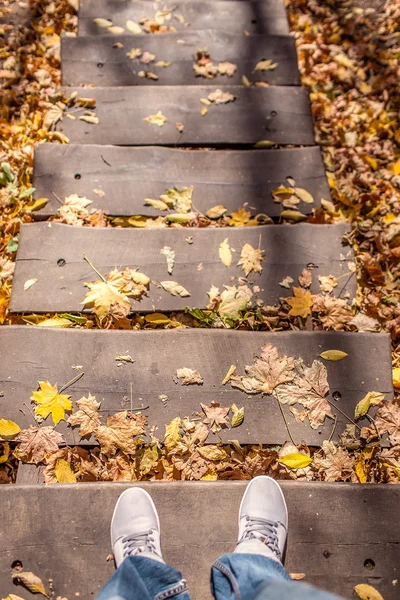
(95, 60)
(278, 114)
(288, 250)
(31, 354)
(266, 16)
(69, 540)
(129, 175)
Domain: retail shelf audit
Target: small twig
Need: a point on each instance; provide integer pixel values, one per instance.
(131, 397)
(64, 387)
(94, 268)
(333, 429)
(57, 198)
(374, 424)
(335, 406)
(351, 275)
(286, 422)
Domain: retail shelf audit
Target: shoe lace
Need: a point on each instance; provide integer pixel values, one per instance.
(264, 530)
(139, 542)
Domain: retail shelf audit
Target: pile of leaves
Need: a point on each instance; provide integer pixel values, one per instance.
(129, 450)
(349, 58)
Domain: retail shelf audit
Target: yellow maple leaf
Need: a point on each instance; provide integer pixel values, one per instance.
(239, 218)
(301, 303)
(50, 401)
(250, 259)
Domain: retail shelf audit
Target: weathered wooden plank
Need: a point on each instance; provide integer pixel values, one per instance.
(29, 474)
(288, 249)
(328, 539)
(30, 354)
(129, 175)
(96, 60)
(266, 16)
(279, 114)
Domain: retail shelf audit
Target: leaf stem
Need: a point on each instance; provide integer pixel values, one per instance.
(286, 423)
(94, 268)
(64, 387)
(333, 429)
(343, 413)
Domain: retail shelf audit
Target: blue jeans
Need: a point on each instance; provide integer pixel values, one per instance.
(233, 577)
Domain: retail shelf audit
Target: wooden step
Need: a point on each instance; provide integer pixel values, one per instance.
(329, 541)
(129, 175)
(96, 60)
(266, 16)
(288, 250)
(278, 114)
(31, 354)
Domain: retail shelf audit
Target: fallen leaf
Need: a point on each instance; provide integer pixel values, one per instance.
(174, 288)
(170, 256)
(327, 283)
(227, 68)
(29, 283)
(102, 22)
(370, 399)
(163, 64)
(56, 322)
(305, 279)
(91, 119)
(225, 253)
(134, 53)
(147, 57)
(265, 65)
(189, 376)
(63, 472)
(37, 442)
(220, 97)
(213, 453)
(233, 300)
(149, 459)
(216, 211)
(87, 417)
(179, 200)
(8, 429)
(304, 195)
(239, 218)
(293, 215)
(301, 303)
(31, 582)
(245, 81)
(295, 461)
(172, 433)
(396, 377)
(157, 319)
(49, 401)
(264, 144)
(250, 259)
(286, 282)
(133, 27)
(268, 371)
(180, 127)
(157, 204)
(215, 416)
(115, 30)
(333, 355)
(367, 592)
(387, 419)
(230, 372)
(364, 323)
(157, 119)
(119, 432)
(237, 416)
(125, 358)
(297, 576)
(336, 464)
(148, 75)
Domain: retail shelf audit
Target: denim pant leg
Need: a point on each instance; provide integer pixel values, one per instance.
(256, 577)
(142, 578)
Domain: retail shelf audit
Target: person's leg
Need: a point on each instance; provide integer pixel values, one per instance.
(254, 571)
(135, 538)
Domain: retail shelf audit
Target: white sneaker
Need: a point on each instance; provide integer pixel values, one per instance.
(135, 526)
(263, 519)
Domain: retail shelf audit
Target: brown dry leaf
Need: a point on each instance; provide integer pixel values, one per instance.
(216, 211)
(250, 259)
(215, 416)
(158, 119)
(173, 433)
(134, 53)
(37, 442)
(387, 419)
(268, 371)
(327, 283)
(220, 97)
(286, 282)
(297, 576)
(301, 303)
(189, 376)
(31, 582)
(305, 279)
(309, 389)
(148, 75)
(213, 453)
(336, 465)
(87, 416)
(334, 313)
(227, 68)
(90, 118)
(119, 432)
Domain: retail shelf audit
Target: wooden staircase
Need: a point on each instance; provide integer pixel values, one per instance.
(340, 534)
